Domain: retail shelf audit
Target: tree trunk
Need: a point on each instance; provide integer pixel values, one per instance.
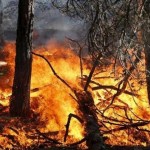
(94, 139)
(146, 41)
(147, 61)
(1, 26)
(20, 100)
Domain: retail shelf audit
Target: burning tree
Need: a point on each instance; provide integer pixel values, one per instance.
(20, 99)
(115, 33)
(1, 28)
(146, 40)
(115, 27)
(115, 41)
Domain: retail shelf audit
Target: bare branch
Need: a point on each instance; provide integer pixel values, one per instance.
(62, 80)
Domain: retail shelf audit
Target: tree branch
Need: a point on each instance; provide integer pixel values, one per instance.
(62, 80)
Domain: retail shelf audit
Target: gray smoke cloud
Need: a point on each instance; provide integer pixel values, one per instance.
(48, 21)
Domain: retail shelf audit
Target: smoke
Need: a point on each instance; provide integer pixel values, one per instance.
(52, 24)
(49, 23)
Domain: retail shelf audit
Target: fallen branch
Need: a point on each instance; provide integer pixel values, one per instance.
(47, 138)
(128, 126)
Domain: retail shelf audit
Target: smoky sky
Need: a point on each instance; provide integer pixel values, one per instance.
(45, 17)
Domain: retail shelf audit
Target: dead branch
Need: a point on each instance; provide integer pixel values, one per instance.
(124, 81)
(68, 124)
(128, 126)
(62, 80)
(100, 86)
(92, 71)
(80, 56)
(145, 130)
(13, 129)
(47, 138)
(112, 120)
(119, 91)
(12, 138)
(94, 139)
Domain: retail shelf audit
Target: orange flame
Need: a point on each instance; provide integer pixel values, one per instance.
(51, 100)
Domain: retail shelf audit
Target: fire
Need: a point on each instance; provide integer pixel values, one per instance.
(52, 101)
(55, 103)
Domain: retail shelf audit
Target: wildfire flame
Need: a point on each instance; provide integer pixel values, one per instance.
(52, 101)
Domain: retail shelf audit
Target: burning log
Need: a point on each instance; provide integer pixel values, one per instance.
(68, 123)
(94, 139)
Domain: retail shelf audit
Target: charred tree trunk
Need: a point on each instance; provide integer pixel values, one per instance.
(146, 41)
(94, 139)
(20, 100)
(1, 26)
(147, 61)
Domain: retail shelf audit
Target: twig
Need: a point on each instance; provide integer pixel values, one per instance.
(92, 71)
(100, 86)
(113, 98)
(145, 130)
(80, 56)
(133, 125)
(47, 138)
(124, 81)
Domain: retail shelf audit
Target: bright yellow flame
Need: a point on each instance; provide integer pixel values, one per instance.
(51, 100)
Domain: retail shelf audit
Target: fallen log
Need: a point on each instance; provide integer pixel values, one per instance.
(93, 138)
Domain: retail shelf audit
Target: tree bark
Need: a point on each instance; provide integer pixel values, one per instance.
(20, 99)
(147, 61)
(1, 26)
(94, 139)
(146, 41)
